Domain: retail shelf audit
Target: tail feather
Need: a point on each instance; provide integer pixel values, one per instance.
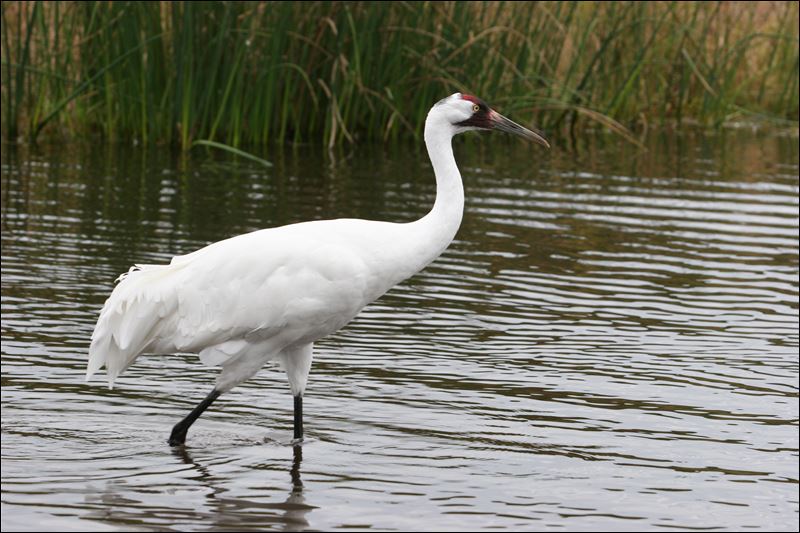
(130, 318)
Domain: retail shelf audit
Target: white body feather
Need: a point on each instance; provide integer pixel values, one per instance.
(268, 295)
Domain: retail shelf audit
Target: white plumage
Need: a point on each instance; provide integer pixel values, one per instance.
(270, 294)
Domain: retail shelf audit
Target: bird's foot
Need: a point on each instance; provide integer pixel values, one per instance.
(177, 437)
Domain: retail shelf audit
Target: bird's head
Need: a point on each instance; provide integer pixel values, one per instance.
(464, 112)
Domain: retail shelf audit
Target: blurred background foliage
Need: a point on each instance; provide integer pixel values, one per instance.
(245, 73)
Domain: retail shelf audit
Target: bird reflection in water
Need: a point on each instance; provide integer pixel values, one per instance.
(242, 513)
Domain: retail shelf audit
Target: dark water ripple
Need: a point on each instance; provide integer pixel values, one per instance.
(610, 343)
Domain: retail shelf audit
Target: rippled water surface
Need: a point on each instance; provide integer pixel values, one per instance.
(611, 342)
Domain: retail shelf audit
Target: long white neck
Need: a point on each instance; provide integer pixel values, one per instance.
(437, 229)
(406, 248)
(449, 206)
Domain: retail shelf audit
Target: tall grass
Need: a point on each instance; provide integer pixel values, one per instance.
(242, 72)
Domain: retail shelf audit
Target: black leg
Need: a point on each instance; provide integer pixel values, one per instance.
(178, 435)
(297, 483)
(298, 416)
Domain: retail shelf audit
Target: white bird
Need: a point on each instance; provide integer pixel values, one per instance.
(270, 294)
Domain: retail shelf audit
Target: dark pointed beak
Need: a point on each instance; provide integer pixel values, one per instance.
(499, 122)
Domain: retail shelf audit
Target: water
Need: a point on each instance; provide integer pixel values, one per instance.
(610, 343)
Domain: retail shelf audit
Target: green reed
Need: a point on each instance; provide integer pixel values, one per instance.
(252, 73)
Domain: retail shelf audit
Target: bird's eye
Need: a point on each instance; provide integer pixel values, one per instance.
(475, 108)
